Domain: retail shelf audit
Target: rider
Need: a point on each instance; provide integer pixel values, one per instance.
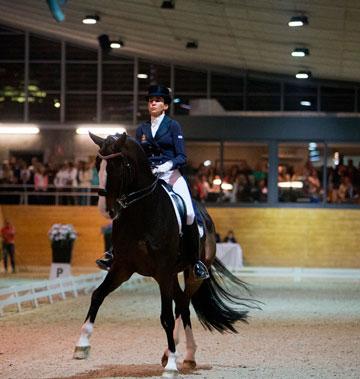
(162, 140)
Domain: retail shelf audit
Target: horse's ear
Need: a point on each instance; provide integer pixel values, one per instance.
(121, 141)
(98, 140)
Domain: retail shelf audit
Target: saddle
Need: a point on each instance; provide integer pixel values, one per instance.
(178, 203)
(180, 207)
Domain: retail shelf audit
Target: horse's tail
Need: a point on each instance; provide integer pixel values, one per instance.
(216, 304)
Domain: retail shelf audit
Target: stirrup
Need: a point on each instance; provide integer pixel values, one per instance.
(200, 271)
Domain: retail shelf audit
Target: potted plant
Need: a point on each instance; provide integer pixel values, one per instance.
(62, 237)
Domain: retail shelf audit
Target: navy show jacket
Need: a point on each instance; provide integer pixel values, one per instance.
(167, 145)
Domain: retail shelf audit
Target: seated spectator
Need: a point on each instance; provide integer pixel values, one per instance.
(346, 191)
(313, 185)
(230, 237)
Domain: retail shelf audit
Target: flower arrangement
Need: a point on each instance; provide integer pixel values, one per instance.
(62, 232)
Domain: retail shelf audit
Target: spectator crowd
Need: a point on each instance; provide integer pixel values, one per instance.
(240, 183)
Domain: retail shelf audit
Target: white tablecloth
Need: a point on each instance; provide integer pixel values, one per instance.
(230, 254)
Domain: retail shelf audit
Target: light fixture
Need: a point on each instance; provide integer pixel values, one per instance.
(191, 45)
(177, 100)
(227, 186)
(57, 104)
(300, 52)
(168, 4)
(17, 129)
(90, 20)
(116, 44)
(100, 130)
(303, 75)
(142, 76)
(298, 21)
(217, 181)
(207, 163)
(291, 184)
(305, 103)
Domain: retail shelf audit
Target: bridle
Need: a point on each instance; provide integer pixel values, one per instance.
(125, 200)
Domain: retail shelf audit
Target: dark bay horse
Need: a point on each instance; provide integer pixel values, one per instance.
(146, 240)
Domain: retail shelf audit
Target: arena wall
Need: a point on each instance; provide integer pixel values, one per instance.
(268, 236)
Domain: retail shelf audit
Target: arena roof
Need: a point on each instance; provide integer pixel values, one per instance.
(250, 35)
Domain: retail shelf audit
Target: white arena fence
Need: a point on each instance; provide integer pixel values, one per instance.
(28, 296)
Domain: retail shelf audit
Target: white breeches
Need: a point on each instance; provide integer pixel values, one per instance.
(180, 186)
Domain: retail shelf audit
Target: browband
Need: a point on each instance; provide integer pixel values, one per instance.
(106, 157)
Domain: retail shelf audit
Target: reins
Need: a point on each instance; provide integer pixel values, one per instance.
(126, 200)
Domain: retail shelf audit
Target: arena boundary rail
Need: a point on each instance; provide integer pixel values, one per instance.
(299, 273)
(24, 295)
(29, 295)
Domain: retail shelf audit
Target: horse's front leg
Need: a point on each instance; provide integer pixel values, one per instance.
(112, 281)
(168, 323)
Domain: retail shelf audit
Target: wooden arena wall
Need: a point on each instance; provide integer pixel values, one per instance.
(268, 236)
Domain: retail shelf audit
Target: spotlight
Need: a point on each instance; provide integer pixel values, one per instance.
(168, 4)
(298, 21)
(300, 52)
(305, 103)
(142, 76)
(116, 44)
(303, 75)
(104, 43)
(191, 45)
(90, 20)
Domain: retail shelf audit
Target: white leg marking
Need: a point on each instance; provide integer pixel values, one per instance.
(85, 334)
(170, 369)
(190, 344)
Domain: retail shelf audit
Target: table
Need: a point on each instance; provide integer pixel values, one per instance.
(230, 254)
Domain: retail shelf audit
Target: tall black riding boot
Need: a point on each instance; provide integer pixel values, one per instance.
(106, 261)
(192, 248)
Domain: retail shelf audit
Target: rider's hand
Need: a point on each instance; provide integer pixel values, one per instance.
(165, 167)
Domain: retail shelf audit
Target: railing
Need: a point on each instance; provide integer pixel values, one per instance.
(297, 274)
(28, 296)
(68, 195)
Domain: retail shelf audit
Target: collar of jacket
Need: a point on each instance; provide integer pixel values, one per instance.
(163, 128)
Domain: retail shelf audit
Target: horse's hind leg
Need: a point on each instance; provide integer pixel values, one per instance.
(112, 281)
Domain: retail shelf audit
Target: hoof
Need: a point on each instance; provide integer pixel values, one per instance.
(189, 365)
(81, 352)
(164, 360)
(170, 374)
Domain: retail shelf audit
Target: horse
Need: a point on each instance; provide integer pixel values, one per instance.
(146, 240)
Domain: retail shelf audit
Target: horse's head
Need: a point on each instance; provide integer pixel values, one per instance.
(122, 167)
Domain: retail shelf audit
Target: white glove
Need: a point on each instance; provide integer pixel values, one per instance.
(165, 167)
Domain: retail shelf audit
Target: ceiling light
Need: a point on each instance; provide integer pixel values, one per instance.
(298, 21)
(300, 52)
(303, 75)
(116, 44)
(14, 129)
(305, 103)
(99, 130)
(177, 100)
(191, 45)
(90, 20)
(142, 76)
(168, 4)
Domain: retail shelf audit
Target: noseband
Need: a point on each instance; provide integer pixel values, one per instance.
(126, 200)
